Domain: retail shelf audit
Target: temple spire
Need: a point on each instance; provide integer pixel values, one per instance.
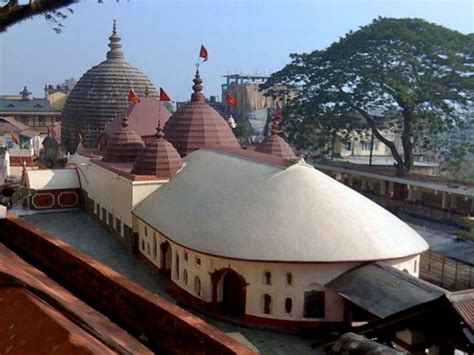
(197, 88)
(125, 123)
(115, 45)
(159, 132)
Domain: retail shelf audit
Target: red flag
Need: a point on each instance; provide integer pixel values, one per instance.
(230, 100)
(164, 96)
(15, 138)
(203, 53)
(133, 97)
(278, 111)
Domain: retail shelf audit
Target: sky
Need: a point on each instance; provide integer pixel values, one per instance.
(162, 37)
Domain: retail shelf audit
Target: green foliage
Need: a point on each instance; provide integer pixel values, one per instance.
(243, 131)
(456, 150)
(468, 233)
(416, 73)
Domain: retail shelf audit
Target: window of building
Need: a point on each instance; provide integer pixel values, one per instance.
(148, 248)
(197, 286)
(289, 279)
(314, 302)
(104, 214)
(41, 120)
(118, 225)
(111, 219)
(414, 266)
(177, 266)
(97, 209)
(267, 278)
(185, 256)
(146, 231)
(155, 246)
(198, 261)
(143, 245)
(185, 276)
(288, 304)
(267, 303)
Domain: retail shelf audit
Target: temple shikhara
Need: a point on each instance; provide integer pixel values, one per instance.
(253, 235)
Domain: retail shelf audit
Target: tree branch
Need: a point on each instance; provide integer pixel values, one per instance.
(13, 13)
(380, 137)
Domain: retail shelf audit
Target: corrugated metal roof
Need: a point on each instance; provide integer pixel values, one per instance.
(384, 290)
(33, 105)
(463, 303)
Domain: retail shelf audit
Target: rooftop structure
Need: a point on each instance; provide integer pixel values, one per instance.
(125, 145)
(142, 118)
(100, 95)
(159, 158)
(275, 145)
(196, 124)
(224, 184)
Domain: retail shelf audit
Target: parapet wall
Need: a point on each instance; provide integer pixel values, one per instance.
(163, 326)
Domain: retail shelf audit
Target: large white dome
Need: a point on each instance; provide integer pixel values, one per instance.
(232, 204)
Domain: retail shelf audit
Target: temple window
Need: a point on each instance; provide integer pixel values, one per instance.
(198, 261)
(267, 303)
(185, 276)
(104, 214)
(288, 305)
(185, 256)
(146, 231)
(267, 278)
(155, 246)
(111, 220)
(289, 279)
(314, 304)
(148, 248)
(177, 266)
(197, 286)
(414, 266)
(118, 225)
(97, 209)
(143, 245)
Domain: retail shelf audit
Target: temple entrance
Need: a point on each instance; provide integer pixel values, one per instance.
(165, 258)
(233, 294)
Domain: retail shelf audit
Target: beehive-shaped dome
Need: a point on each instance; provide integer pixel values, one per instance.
(275, 145)
(125, 145)
(196, 124)
(159, 158)
(100, 95)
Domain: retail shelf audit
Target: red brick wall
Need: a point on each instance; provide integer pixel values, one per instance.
(167, 327)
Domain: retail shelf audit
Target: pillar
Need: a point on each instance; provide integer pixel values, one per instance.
(444, 200)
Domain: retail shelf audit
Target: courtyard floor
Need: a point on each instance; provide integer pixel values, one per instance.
(80, 231)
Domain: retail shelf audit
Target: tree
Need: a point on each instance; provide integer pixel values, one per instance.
(13, 12)
(417, 73)
(54, 11)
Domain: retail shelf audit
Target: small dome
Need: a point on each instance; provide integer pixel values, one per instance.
(159, 158)
(275, 145)
(196, 124)
(100, 95)
(125, 145)
(141, 117)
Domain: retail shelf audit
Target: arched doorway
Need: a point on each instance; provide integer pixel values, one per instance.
(233, 294)
(165, 258)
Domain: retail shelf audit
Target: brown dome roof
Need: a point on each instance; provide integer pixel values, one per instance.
(125, 145)
(197, 124)
(159, 158)
(101, 94)
(141, 117)
(275, 145)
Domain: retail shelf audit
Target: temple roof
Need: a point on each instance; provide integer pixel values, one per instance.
(100, 95)
(275, 145)
(159, 158)
(124, 146)
(254, 206)
(142, 117)
(196, 124)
